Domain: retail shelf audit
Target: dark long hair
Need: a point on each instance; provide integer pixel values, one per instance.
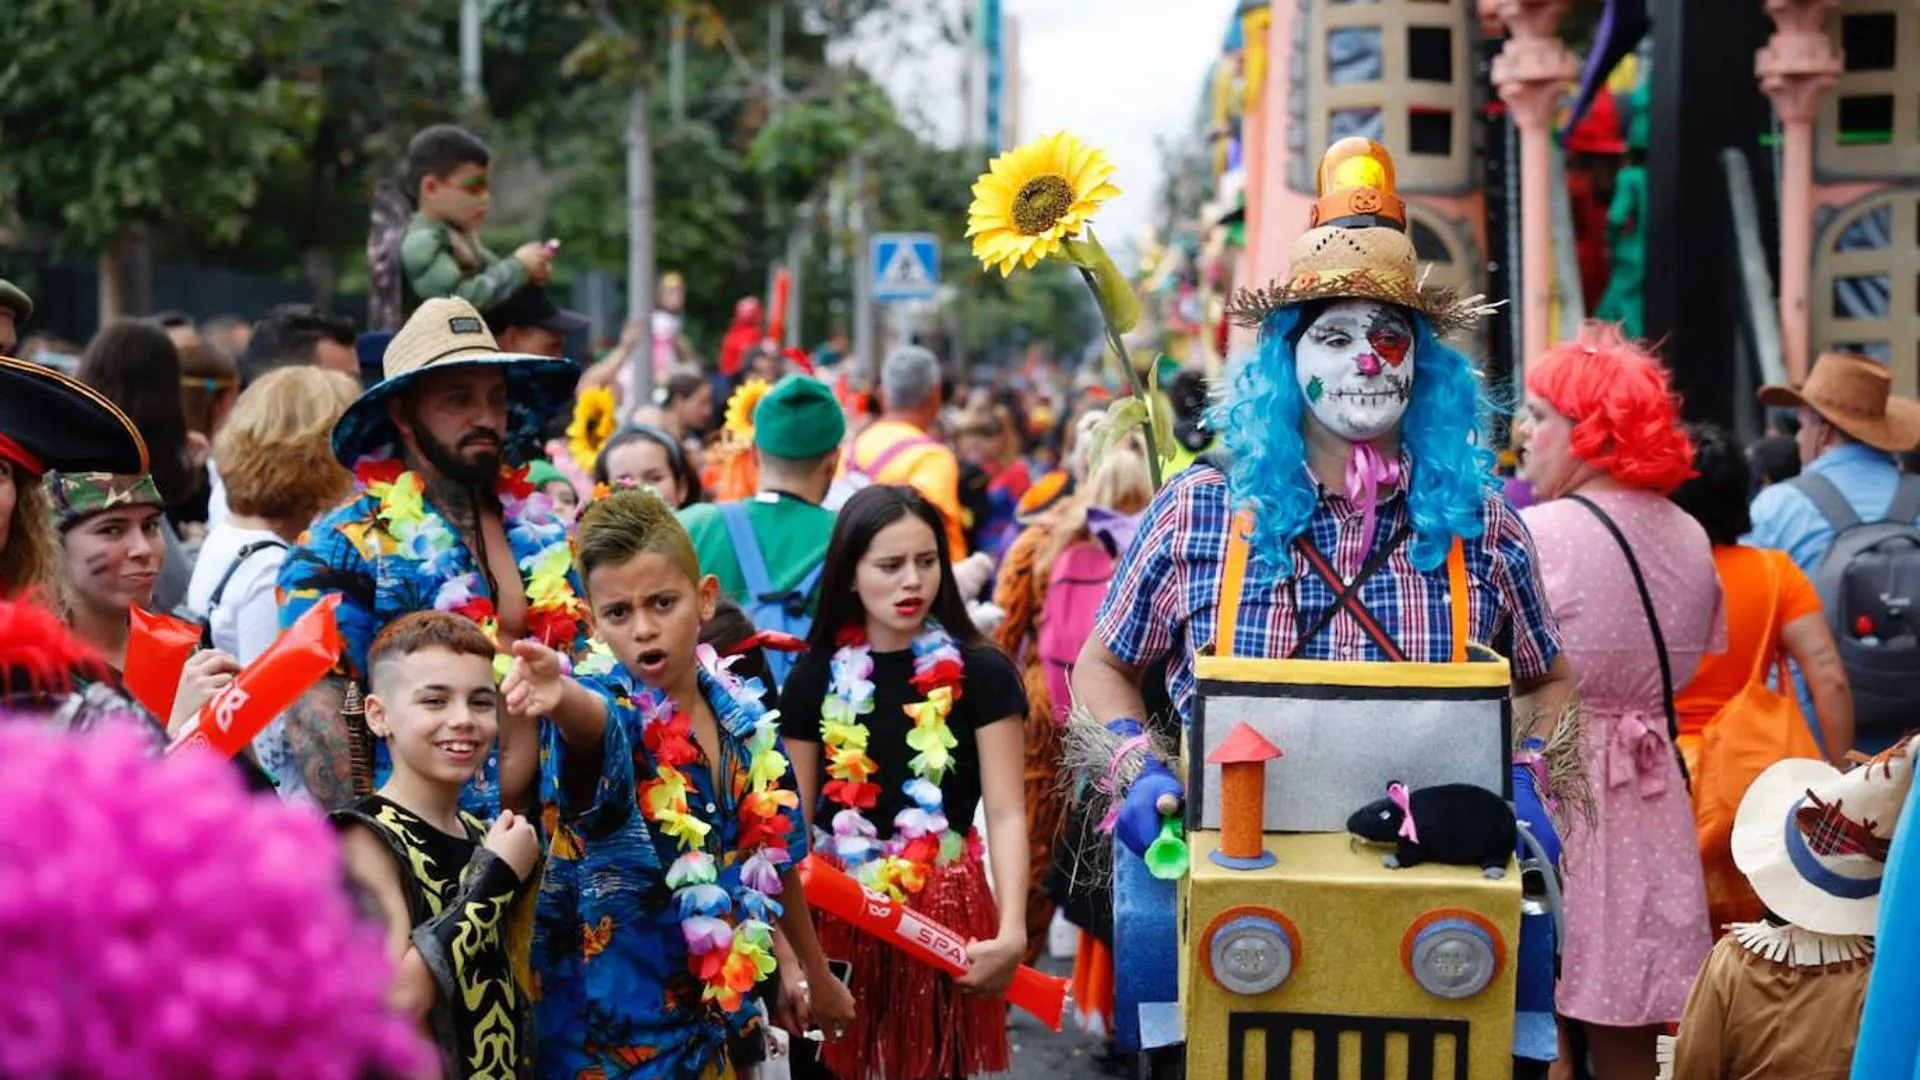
(870, 510)
(135, 365)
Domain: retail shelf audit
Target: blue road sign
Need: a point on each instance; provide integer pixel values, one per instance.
(906, 266)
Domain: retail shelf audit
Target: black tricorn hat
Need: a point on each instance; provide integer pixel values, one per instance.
(51, 422)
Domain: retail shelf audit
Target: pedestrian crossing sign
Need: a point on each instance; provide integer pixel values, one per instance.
(906, 266)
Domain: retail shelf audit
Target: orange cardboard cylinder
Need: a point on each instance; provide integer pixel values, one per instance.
(297, 659)
(1243, 796)
(870, 912)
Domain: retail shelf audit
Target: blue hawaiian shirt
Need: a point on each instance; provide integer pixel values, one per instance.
(383, 570)
(613, 995)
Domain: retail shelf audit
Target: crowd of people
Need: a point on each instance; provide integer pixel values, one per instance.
(608, 672)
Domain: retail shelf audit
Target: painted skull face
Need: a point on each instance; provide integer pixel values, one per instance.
(1355, 367)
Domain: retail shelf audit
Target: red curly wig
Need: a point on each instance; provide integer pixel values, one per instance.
(1625, 415)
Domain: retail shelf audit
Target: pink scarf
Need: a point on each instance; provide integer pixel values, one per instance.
(1368, 471)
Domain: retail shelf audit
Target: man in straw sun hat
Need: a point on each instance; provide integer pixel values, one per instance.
(439, 519)
(1781, 998)
(1851, 520)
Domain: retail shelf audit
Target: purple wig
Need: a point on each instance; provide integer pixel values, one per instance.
(158, 921)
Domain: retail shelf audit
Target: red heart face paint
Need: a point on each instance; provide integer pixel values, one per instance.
(1390, 340)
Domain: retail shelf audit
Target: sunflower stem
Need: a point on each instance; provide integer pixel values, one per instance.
(1133, 377)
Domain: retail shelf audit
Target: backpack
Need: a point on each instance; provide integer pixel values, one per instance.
(1076, 584)
(1868, 581)
(853, 476)
(770, 609)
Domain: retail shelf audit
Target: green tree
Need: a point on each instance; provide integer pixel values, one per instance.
(126, 114)
(385, 71)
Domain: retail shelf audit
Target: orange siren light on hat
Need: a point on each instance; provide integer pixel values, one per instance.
(1356, 247)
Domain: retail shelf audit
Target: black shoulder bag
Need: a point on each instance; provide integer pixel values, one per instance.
(1653, 623)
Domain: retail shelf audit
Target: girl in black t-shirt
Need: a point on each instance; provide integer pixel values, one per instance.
(901, 721)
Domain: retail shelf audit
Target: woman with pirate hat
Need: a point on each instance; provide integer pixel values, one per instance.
(50, 423)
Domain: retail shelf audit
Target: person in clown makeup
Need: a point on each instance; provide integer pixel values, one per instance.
(1356, 439)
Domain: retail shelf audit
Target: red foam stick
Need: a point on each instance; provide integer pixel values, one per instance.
(297, 659)
(875, 913)
(158, 646)
(782, 296)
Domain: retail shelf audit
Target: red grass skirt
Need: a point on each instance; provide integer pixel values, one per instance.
(913, 1022)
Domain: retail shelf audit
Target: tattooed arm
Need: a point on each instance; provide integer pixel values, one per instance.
(1810, 643)
(318, 742)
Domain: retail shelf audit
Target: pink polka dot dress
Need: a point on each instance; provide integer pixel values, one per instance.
(1637, 927)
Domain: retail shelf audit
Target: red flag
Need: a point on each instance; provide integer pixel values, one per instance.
(158, 647)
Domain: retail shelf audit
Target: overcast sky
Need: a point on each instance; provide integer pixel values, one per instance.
(1118, 73)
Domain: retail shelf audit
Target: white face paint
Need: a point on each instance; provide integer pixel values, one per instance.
(1355, 368)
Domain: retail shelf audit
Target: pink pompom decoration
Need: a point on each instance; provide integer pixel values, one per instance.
(157, 920)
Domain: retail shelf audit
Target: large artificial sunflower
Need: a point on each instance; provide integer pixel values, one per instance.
(595, 416)
(740, 409)
(1034, 197)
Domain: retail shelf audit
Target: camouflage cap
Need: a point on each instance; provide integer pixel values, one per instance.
(78, 495)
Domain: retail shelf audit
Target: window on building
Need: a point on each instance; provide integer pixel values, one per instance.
(1430, 53)
(1866, 120)
(1366, 123)
(1430, 131)
(1365, 64)
(1869, 123)
(1870, 40)
(1866, 288)
(1353, 55)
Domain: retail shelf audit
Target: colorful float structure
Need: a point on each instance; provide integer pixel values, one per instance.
(1300, 953)
(1742, 185)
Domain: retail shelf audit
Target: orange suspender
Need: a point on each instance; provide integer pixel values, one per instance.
(1234, 583)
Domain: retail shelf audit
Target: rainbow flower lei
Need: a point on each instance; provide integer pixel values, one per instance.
(554, 611)
(921, 833)
(729, 940)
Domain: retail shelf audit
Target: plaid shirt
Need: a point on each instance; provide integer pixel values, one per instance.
(1166, 591)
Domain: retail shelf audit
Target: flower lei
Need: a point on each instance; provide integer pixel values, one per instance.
(729, 941)
(554, 611)
(921, 836)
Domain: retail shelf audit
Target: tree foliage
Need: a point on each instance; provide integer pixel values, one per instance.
(144, 112)
(249, 134)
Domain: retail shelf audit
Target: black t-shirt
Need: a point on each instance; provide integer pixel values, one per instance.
(990, 692)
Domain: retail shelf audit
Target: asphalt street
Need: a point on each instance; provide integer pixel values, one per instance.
(1039, 1054)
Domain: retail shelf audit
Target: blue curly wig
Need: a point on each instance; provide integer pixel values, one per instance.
(1444, 434)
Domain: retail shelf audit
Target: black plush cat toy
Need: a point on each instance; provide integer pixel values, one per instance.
(1454, 824)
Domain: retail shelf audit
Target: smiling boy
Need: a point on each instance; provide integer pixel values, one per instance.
(443, 883)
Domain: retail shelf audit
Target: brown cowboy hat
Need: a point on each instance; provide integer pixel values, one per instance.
(1855, 394)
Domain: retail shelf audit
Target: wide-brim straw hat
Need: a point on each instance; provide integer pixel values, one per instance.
(1813, 840)
(1356, 247)
(51, 423)
(446, 333)
(1855, 394)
